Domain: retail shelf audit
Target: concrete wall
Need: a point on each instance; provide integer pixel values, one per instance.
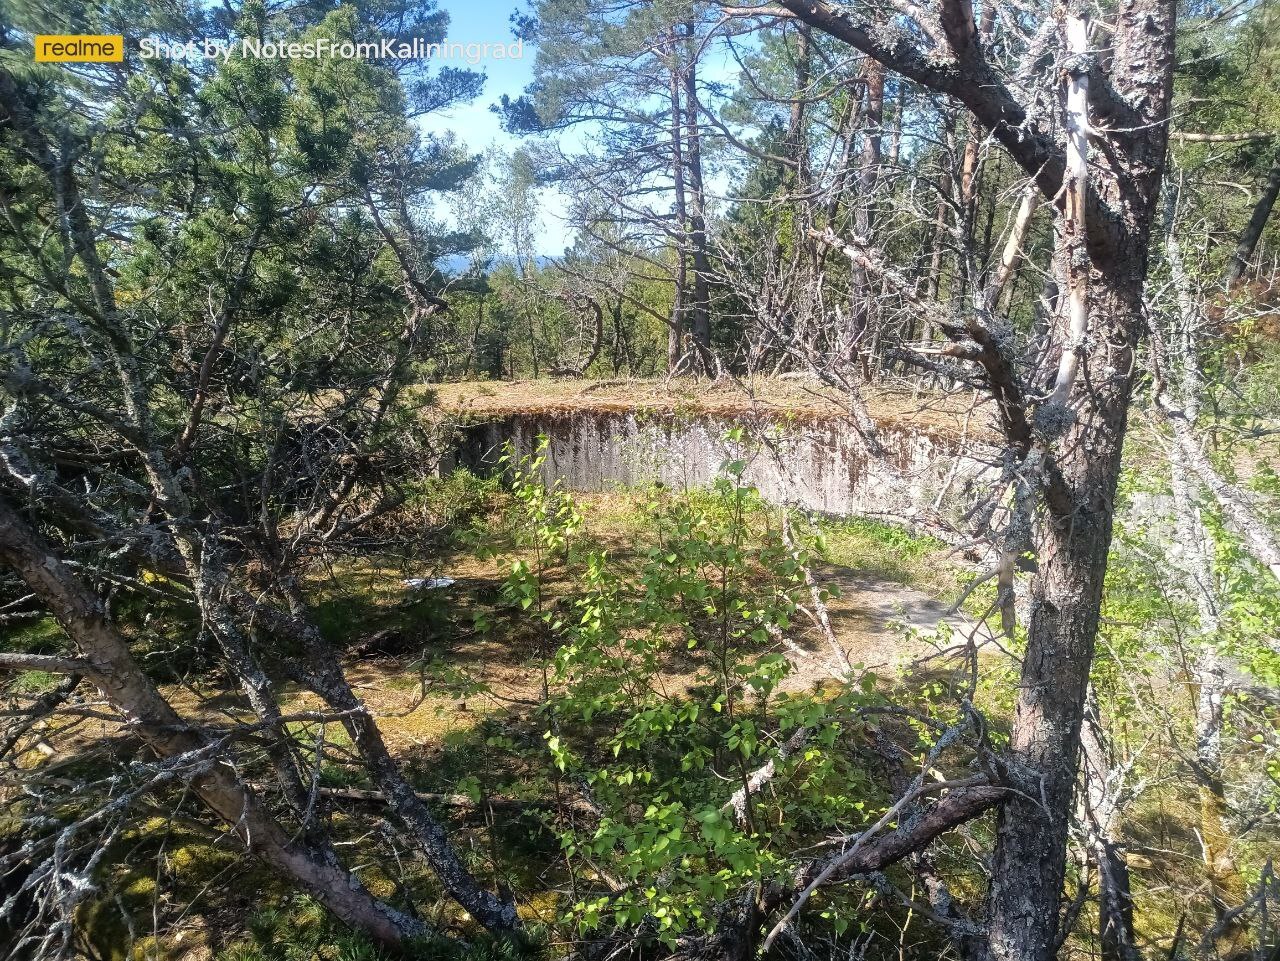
(820, 465)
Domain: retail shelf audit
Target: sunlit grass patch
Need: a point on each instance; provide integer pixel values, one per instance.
(33, 682)
(39, 636)
(887, 551)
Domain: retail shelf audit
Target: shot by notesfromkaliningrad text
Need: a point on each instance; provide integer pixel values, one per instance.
(87, 48)
(151, 48)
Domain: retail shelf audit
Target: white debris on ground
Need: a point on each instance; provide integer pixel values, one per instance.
(427, 583)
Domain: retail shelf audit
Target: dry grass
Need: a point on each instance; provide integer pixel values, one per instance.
(772, 398)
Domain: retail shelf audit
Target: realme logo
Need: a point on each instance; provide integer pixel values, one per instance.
(84, 48)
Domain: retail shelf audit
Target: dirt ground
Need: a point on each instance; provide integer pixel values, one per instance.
(881, 624)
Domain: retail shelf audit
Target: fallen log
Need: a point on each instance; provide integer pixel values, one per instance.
(465, 802)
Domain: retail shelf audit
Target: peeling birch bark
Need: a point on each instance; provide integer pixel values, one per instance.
(1013, 245)
(1075, 187)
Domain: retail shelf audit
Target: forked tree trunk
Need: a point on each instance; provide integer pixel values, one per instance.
(428, 835)
(1234, 502)
(1075, 535)
(111, 667)
(1074, 445)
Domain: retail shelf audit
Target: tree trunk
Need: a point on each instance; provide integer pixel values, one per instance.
(1207, 679)
(1103, 798)
(864, 211)
(675, 332)
(326, 679)
(1012, 251)
(700, 308)
(797, 144)
(1235, 504)
(969, 181)
(938, 234)
(111, 667)
(1073, 447)
(1083, 467)
(1226, 887)
(1066, 598)
(1252, 232)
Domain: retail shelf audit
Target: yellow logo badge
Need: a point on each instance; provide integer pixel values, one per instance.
(79, 48)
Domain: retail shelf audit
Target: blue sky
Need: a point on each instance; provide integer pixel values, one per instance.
(484, 21)
(487, 21)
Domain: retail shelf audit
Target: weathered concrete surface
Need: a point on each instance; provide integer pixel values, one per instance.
(817, 464)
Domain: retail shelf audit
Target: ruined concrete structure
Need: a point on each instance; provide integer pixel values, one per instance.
(819, 464)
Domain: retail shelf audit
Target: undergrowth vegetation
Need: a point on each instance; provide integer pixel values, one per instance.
(628, 710)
